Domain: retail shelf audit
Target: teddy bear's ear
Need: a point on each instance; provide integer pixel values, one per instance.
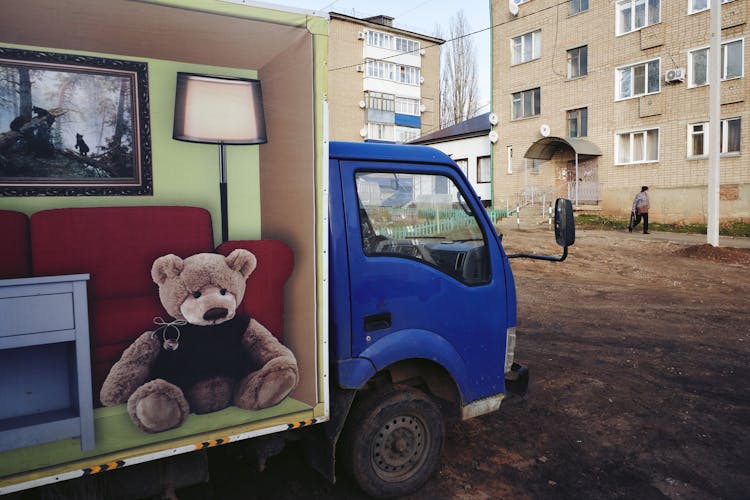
(242, 261)
(165, 267)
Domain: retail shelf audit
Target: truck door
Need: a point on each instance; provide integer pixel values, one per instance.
(425, 271)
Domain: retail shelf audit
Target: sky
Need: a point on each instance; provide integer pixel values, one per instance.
(421, 16)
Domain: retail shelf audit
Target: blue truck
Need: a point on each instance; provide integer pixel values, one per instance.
(422, 311)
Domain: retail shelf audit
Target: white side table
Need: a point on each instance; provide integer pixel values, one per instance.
(45, 364)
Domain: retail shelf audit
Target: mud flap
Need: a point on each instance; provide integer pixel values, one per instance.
(320, 440)
(517, 380)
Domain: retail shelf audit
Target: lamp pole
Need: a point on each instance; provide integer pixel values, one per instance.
(223, 193)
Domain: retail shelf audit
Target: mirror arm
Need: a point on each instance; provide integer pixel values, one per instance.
(540, 257)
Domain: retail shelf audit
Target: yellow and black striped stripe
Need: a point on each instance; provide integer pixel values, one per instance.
(104, 467)
(211, 443)
(303, 423)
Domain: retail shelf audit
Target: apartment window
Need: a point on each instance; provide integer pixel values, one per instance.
(638, 79)
(701, 5)
(376, 69)
(510, 159)
(407, 106)
(577, 6)
(640, 146)
(380, 101)
(633, 15)
(408, 74)
(578, 62)
(527, 47)
(534, 166)
(404, 45)
(730, 138)
(377, 39)
(526, 103)
(380, 131)
(463, 164)
(406, 134)
(578, 122)
(732, 56)
(484, 172)
(393, 72)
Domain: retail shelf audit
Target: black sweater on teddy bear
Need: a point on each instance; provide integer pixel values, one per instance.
(204, 352)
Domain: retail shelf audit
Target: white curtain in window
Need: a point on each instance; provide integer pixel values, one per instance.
(652, 145)
(638, 147)
(623, 148)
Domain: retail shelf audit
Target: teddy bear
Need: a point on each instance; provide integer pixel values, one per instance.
(209, 357)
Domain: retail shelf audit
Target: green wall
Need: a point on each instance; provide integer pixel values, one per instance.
(183, 173)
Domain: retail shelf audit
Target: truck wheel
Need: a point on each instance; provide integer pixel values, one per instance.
(392, 441)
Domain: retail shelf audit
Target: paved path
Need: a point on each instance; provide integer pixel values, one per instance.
(685, 238)
(509, 225)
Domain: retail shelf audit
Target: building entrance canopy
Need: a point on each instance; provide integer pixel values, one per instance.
(546, 147)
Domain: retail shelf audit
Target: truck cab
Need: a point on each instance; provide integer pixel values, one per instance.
(422, 308)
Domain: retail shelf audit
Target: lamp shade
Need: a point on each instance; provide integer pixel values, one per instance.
(218, 110)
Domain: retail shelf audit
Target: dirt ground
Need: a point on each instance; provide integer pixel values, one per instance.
(638, 348)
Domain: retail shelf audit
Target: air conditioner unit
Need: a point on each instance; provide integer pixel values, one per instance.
(674, 75)
(360, 68)
(360, 35)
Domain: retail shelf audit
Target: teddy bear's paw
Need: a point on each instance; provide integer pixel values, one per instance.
(157, 406)
(268, 386)
(212, 394)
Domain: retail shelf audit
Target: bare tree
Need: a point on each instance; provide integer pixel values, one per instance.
(459, 91)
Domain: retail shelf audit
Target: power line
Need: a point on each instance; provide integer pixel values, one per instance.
(473, 33)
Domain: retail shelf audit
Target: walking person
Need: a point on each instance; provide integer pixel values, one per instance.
(640, 209)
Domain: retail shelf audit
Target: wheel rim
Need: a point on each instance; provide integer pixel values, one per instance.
(400, 447)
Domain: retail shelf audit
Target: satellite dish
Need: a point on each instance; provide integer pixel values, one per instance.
(363, 132)
(493, 137)
(513, 7)
(544, 130)
(362, 104)
(493, 119)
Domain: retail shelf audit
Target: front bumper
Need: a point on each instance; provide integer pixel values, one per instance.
(517, 380)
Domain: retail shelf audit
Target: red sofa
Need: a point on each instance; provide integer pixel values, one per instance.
(116, 246)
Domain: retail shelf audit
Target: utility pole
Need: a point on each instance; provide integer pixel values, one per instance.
(714, 124)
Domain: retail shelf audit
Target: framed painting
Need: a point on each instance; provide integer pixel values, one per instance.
(73, 125)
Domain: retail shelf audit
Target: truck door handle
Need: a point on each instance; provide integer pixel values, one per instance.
(379, 321)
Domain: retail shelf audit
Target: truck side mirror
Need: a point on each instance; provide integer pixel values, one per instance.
(565, 229)
(565, 232)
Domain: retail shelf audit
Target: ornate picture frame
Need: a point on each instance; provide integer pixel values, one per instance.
(73, 125)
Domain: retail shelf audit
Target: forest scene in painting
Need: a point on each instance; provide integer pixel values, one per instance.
(61, 123)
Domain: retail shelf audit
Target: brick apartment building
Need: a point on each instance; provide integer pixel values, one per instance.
(615, 94)
(383, 82)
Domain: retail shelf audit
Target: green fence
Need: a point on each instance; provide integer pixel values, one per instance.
(433, 221)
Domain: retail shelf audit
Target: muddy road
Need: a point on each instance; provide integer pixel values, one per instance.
(639, 353)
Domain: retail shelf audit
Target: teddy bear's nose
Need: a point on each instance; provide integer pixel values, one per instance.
(215, 313)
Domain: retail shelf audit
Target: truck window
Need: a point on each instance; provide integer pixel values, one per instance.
(423, 217)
